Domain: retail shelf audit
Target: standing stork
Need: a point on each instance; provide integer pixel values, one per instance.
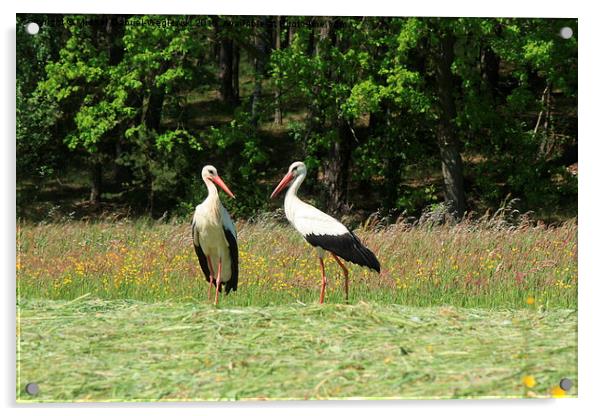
(214, 237)
(321, 230)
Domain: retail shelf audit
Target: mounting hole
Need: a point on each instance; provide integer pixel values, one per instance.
(566, 32)
(565, 384)
(32, 389)
(32, 28)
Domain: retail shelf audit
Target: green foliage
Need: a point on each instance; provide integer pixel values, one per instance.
(169, 139)
(363, 98)
(37, 149)
(334, 83)
(245, 166)
(139, 97)
(38, 153)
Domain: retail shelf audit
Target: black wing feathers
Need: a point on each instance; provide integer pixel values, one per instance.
(232, 284)
(346, 246)
(202, 259)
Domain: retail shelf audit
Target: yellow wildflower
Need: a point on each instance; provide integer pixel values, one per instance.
(557, 392)
(529, 381)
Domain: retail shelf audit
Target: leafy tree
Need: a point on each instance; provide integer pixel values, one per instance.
(394, 114)
(327, 72)
(38, 151)
(112, 80)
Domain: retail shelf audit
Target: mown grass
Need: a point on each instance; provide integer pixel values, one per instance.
(468, 265)
(97, 350)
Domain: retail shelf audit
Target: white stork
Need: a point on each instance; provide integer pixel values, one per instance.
(321, 230)
(214, 237)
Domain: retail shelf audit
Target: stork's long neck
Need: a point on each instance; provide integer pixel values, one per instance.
(294, 187)
(291, 196)
(213, 198)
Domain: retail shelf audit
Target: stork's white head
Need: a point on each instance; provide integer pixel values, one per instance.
(209, 173)
(294, 171)
(297, 168)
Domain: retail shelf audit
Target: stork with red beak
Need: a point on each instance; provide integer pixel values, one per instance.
(321, 230)
(214, 237)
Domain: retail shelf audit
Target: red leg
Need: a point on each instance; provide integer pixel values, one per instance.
(323, 281)
(346, 273)
(211, 274)
(219, 279)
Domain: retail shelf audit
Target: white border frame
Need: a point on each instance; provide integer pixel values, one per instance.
(590, 96)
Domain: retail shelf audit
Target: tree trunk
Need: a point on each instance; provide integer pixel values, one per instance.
(336, 165)
(291, 35)
(278, 111)
(119, 171)
(547, 141)
(336, 170)
(151, 117)
(449, 146)
(261, 47)
(115, 30)
(152, 109)
(235, 73)
(96, 183)
(326, 32)
(216, 42)
(151, 198)
(311, 44)
(490, 69)
(284, 40)
(380, 123)
(225, 71)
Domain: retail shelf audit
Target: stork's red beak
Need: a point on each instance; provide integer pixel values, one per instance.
(218, 181)
(285, 181)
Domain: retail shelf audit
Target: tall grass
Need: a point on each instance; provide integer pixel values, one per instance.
(471, 264)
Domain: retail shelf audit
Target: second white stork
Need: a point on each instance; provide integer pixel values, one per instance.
(321, 230)
(214, 237)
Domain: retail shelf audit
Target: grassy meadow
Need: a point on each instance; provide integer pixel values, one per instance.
(465, 265)
(119, 311)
